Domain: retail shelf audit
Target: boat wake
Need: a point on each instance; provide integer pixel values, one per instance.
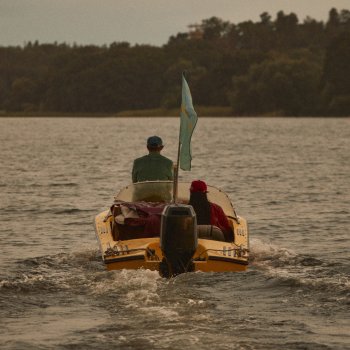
(83, 272)
(53, 272)
(303, 272)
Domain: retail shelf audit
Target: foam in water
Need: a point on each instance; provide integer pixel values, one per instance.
(299, 270)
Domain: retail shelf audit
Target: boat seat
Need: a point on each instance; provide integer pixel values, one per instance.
(125, 232)
(136, 220)
(120, 229)
(210, 232)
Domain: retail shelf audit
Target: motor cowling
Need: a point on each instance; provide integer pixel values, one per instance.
(178, 239)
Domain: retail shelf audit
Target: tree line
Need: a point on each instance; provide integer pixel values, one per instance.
(277, 66)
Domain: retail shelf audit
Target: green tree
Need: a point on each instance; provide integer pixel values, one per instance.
(287, 30)
(214, 28)
(275, 65)
(278, 86)
(336, 73)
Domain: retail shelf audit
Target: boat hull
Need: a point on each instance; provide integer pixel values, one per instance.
(146, 253)
(204, 266)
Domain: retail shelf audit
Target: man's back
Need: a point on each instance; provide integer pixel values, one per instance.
(152, 167)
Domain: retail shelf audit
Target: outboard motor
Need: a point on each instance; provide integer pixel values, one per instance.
(178, 239)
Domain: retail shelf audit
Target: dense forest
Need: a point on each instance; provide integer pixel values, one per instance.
(275, 66)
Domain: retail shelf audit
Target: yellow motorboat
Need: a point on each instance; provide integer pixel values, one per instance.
(144, 229)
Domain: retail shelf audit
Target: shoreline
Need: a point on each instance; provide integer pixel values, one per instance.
(202, 111)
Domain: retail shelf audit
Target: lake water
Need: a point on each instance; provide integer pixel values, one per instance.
(290, 177)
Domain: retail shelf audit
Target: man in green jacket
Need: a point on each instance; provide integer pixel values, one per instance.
(153, 166)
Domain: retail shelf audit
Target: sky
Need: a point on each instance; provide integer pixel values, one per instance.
(151, 22)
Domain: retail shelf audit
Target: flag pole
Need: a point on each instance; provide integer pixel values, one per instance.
(176, 173)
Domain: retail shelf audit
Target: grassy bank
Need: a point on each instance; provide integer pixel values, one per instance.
(156, 112)
(202, 111)
(160, 112)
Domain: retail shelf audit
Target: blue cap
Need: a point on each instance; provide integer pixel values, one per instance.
(154, 141)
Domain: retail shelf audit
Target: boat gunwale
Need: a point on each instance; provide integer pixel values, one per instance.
(227, 259)
(124, 258)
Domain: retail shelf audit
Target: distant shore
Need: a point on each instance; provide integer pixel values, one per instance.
(155, 112)
(202, 111)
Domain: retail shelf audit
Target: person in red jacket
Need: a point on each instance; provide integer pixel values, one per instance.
(208, 213)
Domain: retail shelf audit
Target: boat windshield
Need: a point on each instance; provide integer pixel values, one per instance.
(162, 191)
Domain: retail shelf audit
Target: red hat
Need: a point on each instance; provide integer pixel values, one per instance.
(198, 186)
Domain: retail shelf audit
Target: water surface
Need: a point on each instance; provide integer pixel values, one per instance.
(289, 177)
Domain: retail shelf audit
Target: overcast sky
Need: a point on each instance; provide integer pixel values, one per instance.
(135, 21)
